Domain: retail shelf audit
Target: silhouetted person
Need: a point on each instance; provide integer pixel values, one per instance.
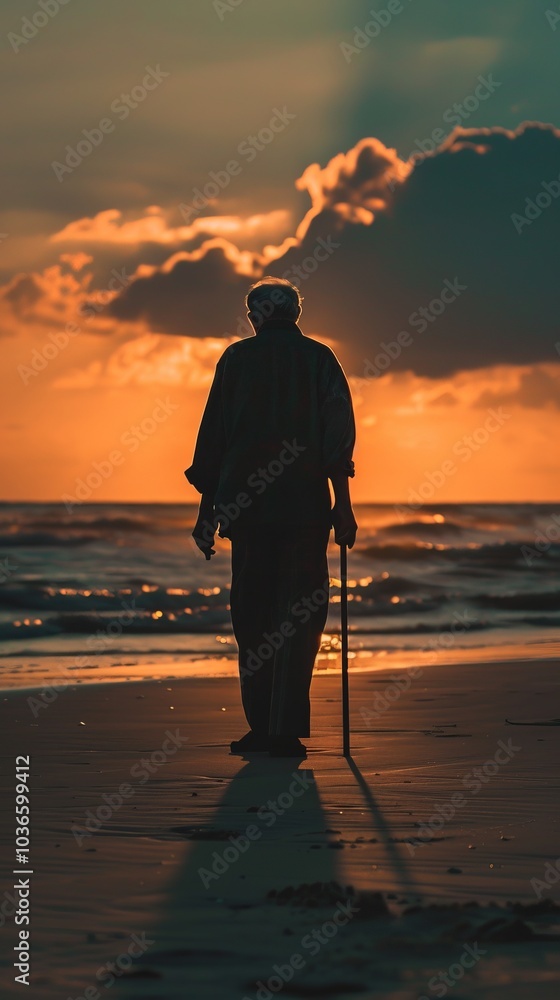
(278, 424)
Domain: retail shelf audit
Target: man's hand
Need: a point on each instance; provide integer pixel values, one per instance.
(204, 530)
(204, 538)
(344, 524)
(342, 515)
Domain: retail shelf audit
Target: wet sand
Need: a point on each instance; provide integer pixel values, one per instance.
(156, 850)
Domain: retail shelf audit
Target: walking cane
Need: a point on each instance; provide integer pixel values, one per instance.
(344, 649)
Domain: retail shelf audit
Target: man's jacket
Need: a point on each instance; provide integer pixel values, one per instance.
(277, 424)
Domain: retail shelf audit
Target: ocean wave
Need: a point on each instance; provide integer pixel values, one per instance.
(394, 595)
(101, 630)
(72, 529)
(44, 596)
(116, 564)
(95, 642)
(42, 539)
(543, 601)
(99, 524)
(495, 556)
(426, 529)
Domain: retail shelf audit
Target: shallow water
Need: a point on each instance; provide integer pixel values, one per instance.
(115, 590)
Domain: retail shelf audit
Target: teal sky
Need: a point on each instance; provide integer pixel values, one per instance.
(104, 248)
(226, 76)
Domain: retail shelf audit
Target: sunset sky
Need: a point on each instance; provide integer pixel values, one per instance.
(404, 169)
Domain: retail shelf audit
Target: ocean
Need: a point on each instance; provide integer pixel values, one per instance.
(119, 591)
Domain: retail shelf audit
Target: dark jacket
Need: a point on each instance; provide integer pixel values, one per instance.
(278, 422)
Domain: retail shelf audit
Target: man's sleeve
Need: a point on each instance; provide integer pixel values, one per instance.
(204, 473)
(337, 419)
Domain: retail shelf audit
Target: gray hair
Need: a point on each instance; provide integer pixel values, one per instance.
(274, 298)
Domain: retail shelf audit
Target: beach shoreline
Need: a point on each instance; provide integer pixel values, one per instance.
(70, 670)
(105, 870)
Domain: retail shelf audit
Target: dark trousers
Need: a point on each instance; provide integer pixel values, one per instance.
(279, 605)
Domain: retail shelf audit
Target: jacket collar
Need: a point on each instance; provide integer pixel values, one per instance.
(279, 326)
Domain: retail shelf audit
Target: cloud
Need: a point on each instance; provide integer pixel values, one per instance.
(401, 231)
(536, 389)
(450, 219)
(21, 294)
(111, 228)
(181, 296)
(200, 293)
(362, 179)
(77, 261)
(469, 216)
(40, 299)
(60, 298)
(149, 360)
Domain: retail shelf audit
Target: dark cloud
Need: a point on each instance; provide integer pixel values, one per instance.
(456, 221)
(198, 296)
(21, 293)
(445, 399)
(537, 388)
(18, 301)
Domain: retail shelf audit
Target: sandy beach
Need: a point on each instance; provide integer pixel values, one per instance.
(280, 383)
(163, 866)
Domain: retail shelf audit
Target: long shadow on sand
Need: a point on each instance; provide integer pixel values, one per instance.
(380, 826)
(209, 930)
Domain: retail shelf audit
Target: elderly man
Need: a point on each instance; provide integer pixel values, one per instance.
(278, 425)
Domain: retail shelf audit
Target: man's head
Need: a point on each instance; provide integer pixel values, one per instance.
(273, 298)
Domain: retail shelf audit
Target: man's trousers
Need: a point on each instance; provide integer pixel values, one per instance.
(279, 605)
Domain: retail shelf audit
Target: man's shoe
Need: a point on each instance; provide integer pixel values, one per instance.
(287, 746)
(251, 743)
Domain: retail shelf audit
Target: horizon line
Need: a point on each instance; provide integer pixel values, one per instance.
(357, 503)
